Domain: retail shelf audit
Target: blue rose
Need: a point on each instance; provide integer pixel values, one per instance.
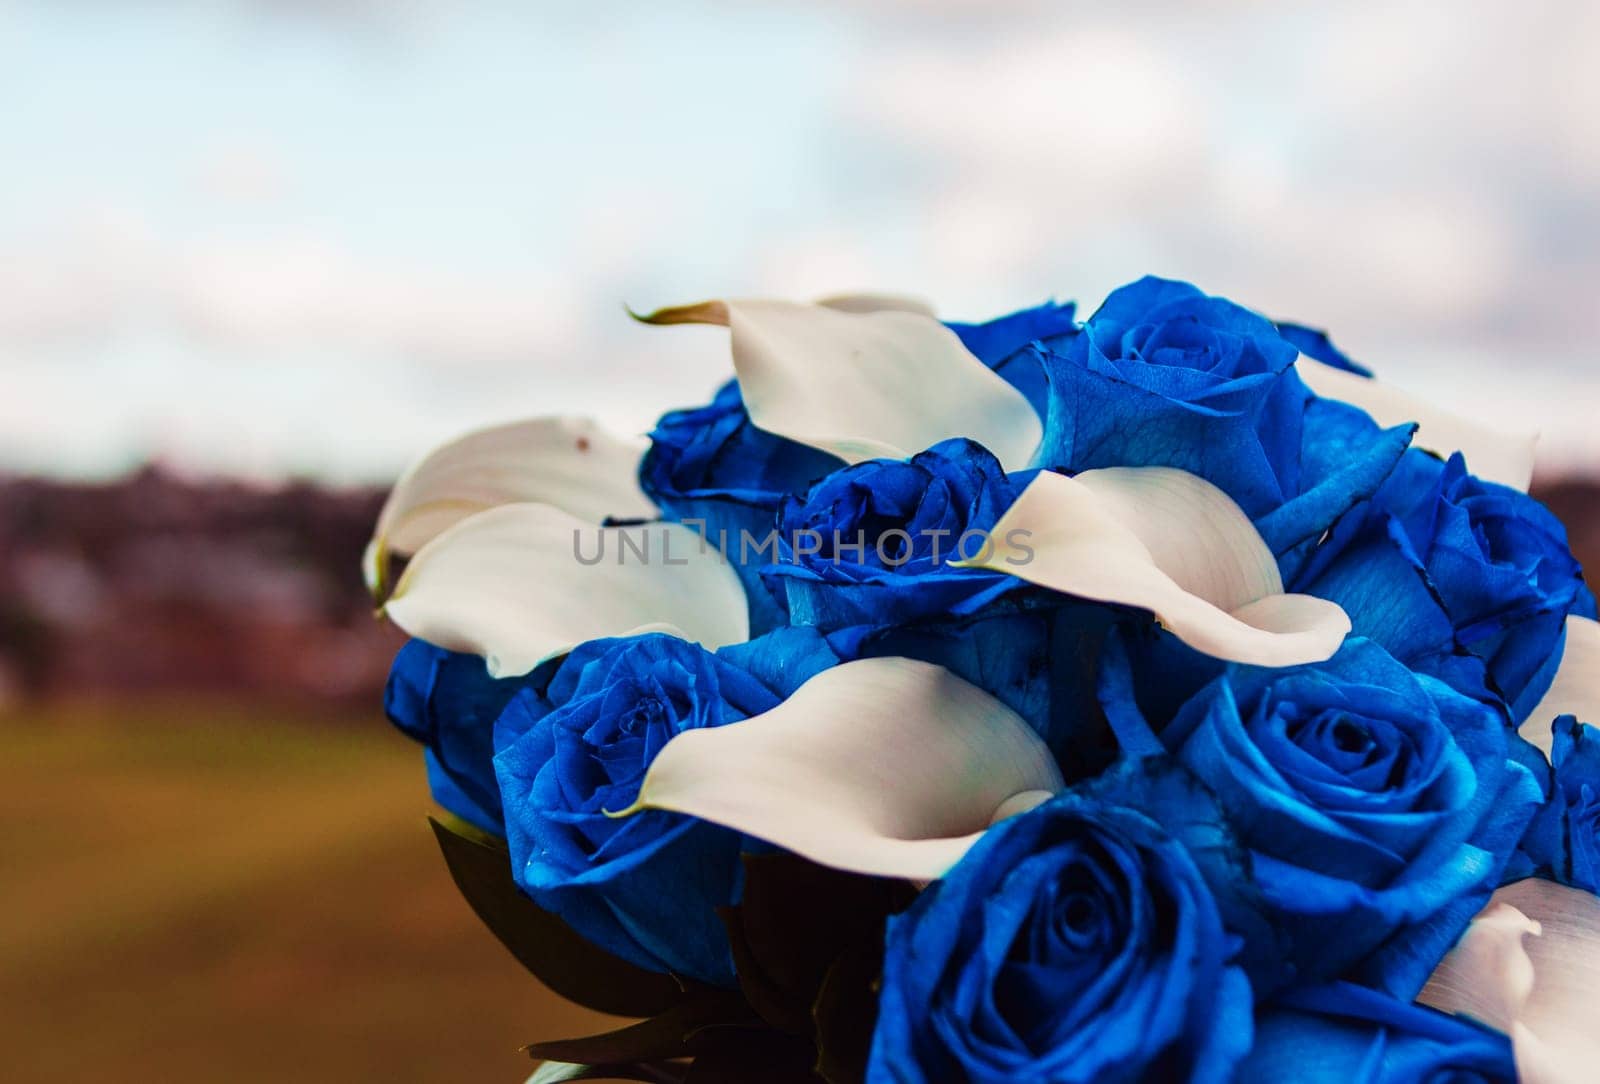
(711, 466)
(1493, 559)
(645, 887)
(1379, 806)
(1076, 942)
(1346, 1034)
(1163, 375)
(449, 703)
(1563, 842)
(872, 544)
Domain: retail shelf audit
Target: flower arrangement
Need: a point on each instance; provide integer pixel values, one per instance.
(1158, 696)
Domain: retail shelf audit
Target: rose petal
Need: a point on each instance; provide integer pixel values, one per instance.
(571, 463)
(1166, 541)
(885, 766)
(1575, 690)
(509, 584)
(1540, 989)
(1491, 453)
(861, 385)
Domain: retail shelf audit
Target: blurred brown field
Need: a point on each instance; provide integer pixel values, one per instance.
(195, 891)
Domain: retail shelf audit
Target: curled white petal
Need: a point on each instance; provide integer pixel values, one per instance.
(521, 583)
(876, 303)
(1488, 975)
(867, 382)
(884, 766)
(1491, 453)
(1530, 965)
(571, 463)
(1169, 542)
(1575, 689)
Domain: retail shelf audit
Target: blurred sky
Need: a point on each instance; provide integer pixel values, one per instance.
(316, 236)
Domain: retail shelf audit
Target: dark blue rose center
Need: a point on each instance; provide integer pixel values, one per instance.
(1184, 343)
(609, 741)
(1331, 750)
(1512, 546)
(885, 521)
(1508, 532)
(632, 724)
(1074, 937)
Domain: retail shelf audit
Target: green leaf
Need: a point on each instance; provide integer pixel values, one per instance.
(794, 920)
(742, 1057)
(846, 1011)
(541, 942)
(683, 1030)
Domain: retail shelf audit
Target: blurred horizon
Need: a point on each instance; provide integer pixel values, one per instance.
(311, 238)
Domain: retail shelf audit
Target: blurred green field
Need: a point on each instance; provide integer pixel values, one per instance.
(202, 893)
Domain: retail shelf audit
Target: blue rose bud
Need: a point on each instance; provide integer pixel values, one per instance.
(711, 466)
(647, 886)
(1378, 805)
(1163, 375)
(872, 544)
(1494, 559)
(448, 702)
(1077, 942)
(1563, 842)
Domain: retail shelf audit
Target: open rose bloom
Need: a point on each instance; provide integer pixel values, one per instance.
(1156, 696)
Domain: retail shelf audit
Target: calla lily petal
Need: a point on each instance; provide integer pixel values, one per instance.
(876, 303)
(1575, 690)
(521, 583)
(1529, 965)
(1491, 453)
(571, 463)
(865, 384)
(884, 766)
(1170, 542)
(1488, 975)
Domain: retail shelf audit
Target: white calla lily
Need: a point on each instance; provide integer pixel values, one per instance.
(1491, 453)
(522, 583)
(865, 382)
(571, 463)
(885, 766)
(1166, 541)
(877, 303)
(1529, 965)
(1575, 690)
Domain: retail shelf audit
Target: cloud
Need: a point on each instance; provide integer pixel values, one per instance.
(244, 174)
(1422, 186)
(106, 275)
(1405, 178)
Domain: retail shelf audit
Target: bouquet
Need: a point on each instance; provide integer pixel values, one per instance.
(1157, 696)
